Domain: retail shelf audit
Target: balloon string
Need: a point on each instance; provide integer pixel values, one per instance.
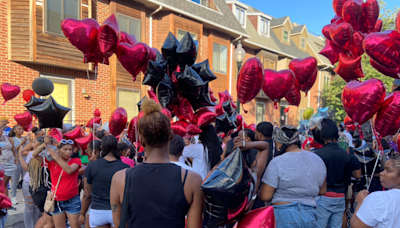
(94, 104)
(380, 151)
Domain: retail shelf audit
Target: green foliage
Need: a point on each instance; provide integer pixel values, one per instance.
(332, 94)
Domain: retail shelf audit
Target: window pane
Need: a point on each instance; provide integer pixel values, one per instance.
(266, 64)
(71, 9)
(216, 57)
(272, 65)
(181, 34)
(242, 17)
(54, 16)
(260, 113)
(127, 99)
(224, 59)
(123, 23)
(134, 28)
(194, 36)
(238, 14)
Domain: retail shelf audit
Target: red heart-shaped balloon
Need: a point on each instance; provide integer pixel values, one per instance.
(348, 121)
(225, 96)
(306, 86)
(277, 84)
(349, 68)
(179, 128)
(352, 11)
(205, 116)
(383, 48)
(335, 18)
(133, 57)
(369, 16)
(259, 218)
(75, 133)
(303, 69)
(55, 133)
(193, 130)
(394, 73)
(250, 80)
(153, 53)
(361, 100)
(97, 120)
(167, 113)
(184, 110)
(293, 96)
(325, 31)
(84, 141)
(153, 95)
(133, 130)
(128, 38)
(24, 119)
(97, 113)
(109, 35)
(398, 22)
(331, 51)
(338, 6)
(387, 121)
(117, 122)
(239, 122)
(357, 48)
(81, 33)
(213, 98)
(341, 34)
(9, 91)
(378, 26)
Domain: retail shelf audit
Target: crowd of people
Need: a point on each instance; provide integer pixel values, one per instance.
(312, 179)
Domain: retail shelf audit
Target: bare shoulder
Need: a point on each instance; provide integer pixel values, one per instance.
(194, 178)
(119, 177)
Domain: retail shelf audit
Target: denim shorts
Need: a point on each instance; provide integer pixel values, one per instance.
(71, 206)
(295, 215)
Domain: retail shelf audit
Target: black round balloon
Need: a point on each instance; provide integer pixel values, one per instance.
(42, 86)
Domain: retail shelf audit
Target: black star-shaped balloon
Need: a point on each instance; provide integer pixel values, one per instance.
(228, 107)
(186, 51)
(159, 57)
(139, 104)
(34, 101)
(224, 124)
(189, 83)
(154, 74)
(166, 91)
(204, 71)
(50, 114)
(203, 100)
(233, 117)
(169, 51)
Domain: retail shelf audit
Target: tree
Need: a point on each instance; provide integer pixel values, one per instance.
(332, 94)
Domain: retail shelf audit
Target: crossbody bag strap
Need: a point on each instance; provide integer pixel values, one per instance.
(125, 200)
(59, 179)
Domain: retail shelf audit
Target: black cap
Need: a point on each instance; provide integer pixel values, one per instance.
(176, 145)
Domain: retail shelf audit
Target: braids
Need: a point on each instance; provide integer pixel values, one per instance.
(35, 173)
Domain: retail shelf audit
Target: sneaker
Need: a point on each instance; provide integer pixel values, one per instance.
(12, 208)
(19, 186)
(14, 200)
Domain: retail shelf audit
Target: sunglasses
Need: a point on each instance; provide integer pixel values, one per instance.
(64, 141)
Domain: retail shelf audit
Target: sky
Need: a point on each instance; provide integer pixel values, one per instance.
(314, 13)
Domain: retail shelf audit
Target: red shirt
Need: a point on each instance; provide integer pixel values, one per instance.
(68, 187)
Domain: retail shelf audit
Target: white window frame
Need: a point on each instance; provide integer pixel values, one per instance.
(71, 84)
(130, 90)
(327, 80)
(283, 36)
(260, 25)
(62, 16)
(244, 15)
(191, 33)
(133, 18)
(218, 71)
(301, 42)
(263, 117)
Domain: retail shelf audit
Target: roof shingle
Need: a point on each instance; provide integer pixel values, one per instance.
(279, 21)
(297, 29)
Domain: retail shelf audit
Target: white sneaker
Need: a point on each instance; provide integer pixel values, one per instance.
(14, 200)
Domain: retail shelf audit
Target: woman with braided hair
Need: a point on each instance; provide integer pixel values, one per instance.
(292, 181)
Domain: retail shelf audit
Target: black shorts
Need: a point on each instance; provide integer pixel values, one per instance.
(39, 196)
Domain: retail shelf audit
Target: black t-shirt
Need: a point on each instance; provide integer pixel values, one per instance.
(338, 165)
(250, 156)
(355, 164)
(99, 174)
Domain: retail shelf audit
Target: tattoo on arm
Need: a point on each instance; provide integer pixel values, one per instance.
(114, 208)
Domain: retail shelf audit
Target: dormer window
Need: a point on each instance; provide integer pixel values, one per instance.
(201, 2)
(303, 43)
(240, 15)
(286, 36)
(264, 26)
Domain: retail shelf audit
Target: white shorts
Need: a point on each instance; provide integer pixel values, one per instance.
(100, 218)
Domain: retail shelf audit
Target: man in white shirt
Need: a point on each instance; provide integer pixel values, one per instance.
(175, 151)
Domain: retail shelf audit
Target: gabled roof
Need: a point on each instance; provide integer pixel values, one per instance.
(292, 50)
(279, 21)
(298, 29)
(224, 19)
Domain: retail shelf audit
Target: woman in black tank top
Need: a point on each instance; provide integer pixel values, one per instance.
(156, 193)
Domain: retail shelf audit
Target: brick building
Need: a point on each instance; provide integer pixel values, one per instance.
(32, 45)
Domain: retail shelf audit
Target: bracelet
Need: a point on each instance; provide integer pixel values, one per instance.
(244, 143)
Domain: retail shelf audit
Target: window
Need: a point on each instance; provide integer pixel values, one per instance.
(220, 58)
(182, 33)
(130, 25)
(264, 26)
(128, 99)
(240, 15)
(286, 36)
(269, 64)
(201, 2)
(58, 10)
(327, 80)
(303, 43)
(260, 111)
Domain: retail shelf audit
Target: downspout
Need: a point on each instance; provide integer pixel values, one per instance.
(151, 24)
(319, 84)
(230, 62)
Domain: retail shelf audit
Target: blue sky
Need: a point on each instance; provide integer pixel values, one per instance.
(314, 13)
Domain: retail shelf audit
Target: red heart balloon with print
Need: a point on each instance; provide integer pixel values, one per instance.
(109, 35)
(361, 100)
(24, 119)
(117, 122)
(250, 81)
(9, 91)
(331, 51)
(349, 68)
(387, 121)
(128, 38)
(341, 34)
(81, 33)
(303, 69)
(133, 57)
(383, 48)
(293, 96)
(352, 11)
(278, 84)
(370, 16)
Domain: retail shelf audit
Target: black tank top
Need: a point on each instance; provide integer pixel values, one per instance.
(156, 196)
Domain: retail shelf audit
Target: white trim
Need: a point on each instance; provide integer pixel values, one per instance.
(283, 36)
(151, 24)
(238, 3)
(260, 14)
(260, 19)
(304, 27)
(231, 68)
(84, 5)
(305, 43)
(244, 15)
(70, 82)
(269, 49)
(206, 6)
(197, 18)
(290, 23)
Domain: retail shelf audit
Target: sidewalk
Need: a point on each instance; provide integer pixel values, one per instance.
(16, 218)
